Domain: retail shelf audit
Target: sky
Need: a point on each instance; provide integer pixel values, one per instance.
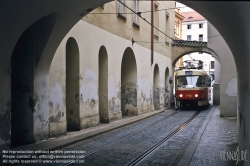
(183, 8)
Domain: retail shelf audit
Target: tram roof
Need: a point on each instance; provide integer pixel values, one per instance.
(194, 72)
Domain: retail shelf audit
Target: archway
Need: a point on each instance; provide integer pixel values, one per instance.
(103, 85)
(208, 66)
(72, 85)
(156, 88)
(24, 60)
(129, 84)
(12, 30)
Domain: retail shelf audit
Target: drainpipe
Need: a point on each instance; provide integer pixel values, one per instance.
(152, 32)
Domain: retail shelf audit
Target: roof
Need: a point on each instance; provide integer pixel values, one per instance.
(189, 43)
(192, 16)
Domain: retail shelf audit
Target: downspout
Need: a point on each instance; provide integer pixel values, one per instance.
(152, 32)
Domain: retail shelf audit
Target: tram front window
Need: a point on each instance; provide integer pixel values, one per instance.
(189, 81)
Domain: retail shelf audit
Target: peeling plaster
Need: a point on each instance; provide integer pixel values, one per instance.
(5, 122)
(112, 89)
(157, 98)
(232, 87)
(89, 92)
(144, 86)
(56, 98)
(114, 104)
(129, 98)
(90, 74)
(41, 112)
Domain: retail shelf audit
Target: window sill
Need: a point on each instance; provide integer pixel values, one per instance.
(136, 25)
(156, 37)
(122, 16)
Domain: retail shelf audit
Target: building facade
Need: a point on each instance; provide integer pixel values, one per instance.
(98, 75)
(194, 28)
(178, 31)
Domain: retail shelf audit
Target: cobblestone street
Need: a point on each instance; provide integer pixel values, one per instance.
(199, 143)
(203, 141)
(219, 135)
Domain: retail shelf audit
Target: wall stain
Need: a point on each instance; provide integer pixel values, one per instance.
(128, 96)
(55, 118)
(77, 97)
(145, 104)
(92, 103)
(114, 104)
(156, 98)
(5, 122)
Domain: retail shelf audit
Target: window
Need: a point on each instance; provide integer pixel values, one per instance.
(136, 9)
(121, 9)
(189, 81)
(212, 64)
(167, 29)
(200, 25)
(189, 26)
(156, 21)
(177, 30)
(200, 37)
(188, 37)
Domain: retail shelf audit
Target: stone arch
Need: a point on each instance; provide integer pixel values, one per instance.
(12, 30)
(156, 87)
(129, 83)
(72, 85)
(24, 60)
(178, 56)
(103, 85)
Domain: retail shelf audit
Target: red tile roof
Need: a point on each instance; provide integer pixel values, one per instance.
(192, 16)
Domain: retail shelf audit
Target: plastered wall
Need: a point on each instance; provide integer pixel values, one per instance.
(227, 77)
(85, 35)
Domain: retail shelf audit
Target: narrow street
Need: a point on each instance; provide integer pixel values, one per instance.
(177, 130)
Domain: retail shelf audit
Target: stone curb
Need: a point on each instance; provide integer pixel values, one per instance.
(51, 144)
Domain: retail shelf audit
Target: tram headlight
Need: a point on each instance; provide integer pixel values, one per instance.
(181, 95)
(196, 95)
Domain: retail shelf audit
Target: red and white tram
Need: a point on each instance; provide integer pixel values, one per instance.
(192, 87)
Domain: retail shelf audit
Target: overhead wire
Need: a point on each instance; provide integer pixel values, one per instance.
(140, 12)
(144, 19)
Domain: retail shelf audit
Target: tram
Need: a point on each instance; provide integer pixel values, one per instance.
(192, 86)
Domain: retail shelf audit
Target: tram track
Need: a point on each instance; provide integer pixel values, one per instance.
(122, 139)
(144, 155)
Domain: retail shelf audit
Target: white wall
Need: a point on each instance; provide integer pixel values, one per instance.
(228, 73)
(195, 31)
(86, 36)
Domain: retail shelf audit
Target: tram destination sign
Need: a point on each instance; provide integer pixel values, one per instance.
(189, 72)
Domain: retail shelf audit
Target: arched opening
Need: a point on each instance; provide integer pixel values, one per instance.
(217, 17)
(156, 88)
(72, 85)
(167, 89)
(129, 84)
(103, 85)
(209, 63)
(25, 58)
